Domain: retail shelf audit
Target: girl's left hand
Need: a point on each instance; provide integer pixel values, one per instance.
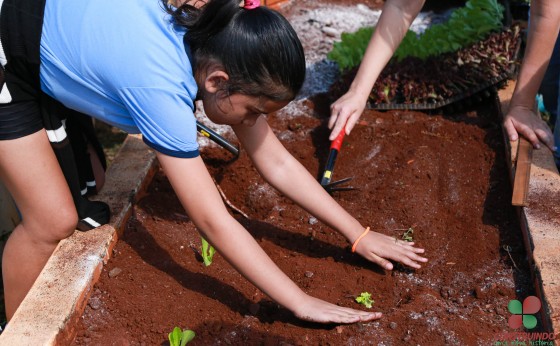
(316, 310)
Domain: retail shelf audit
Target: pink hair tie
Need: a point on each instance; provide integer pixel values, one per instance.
(251, 4)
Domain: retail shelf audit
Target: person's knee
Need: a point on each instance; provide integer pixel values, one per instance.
(54, 229)
(65, 224)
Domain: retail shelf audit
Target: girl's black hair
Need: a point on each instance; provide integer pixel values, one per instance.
(258, 48)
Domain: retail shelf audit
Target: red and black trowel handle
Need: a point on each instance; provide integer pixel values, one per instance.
(334, 150)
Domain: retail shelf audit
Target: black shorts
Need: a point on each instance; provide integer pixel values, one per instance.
(19, 119)
(21, 22)
(25, 109)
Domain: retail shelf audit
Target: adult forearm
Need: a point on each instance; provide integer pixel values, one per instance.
(543, 31)
(393, 24)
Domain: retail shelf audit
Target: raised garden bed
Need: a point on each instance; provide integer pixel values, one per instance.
(446, 177)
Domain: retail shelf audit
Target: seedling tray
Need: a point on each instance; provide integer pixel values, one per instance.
(448, 78)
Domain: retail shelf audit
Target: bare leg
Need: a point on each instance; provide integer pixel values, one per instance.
(31, 173)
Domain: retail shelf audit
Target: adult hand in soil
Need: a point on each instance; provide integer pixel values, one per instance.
(316, 310)
(345, 112)
(524, 121)
(380, 248)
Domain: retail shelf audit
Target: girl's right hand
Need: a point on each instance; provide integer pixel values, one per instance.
(380, 248)
(316, 310)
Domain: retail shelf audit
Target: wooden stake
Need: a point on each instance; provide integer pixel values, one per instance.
(522, 173)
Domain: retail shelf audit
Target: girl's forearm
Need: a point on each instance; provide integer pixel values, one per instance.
(395, 19)
(204, 205)
(240, 249)
(280, 169)
(543, 31)
(296, 183)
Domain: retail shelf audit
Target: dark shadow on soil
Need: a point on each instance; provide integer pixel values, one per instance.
(499, 212)
(144, 244)
(219, 331)
(307, 246)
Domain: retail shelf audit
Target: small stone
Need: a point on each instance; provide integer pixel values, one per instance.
(330, 31)
(339, 329)
(94, 303)
(114, 272)
(479, 293)
(312, 220)
(393, 325)
(308, 274)
(452, 310)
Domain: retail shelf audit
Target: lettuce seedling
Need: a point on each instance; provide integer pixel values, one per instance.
(365, 299)
(208, 252)
(180, 337)
(407, 235)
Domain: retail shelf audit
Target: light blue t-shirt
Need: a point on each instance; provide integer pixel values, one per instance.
(122, 62)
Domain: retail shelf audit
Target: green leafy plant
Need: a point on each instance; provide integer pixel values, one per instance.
(207, 252)
(407, 235)
(465, 26)
(180, 337)
(351, 49)
(365, 299)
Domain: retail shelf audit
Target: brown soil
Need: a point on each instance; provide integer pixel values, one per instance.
(445, 176)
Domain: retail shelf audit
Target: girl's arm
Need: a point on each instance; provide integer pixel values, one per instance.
(521, 117)
(393, 24)
(285, 173)
(200, 198)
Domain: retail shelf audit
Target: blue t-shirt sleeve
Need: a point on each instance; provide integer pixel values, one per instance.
(165, 118)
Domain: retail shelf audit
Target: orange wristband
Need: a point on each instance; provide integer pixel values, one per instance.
(359, 238)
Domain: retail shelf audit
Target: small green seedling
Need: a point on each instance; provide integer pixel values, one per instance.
(365, 299)
(208, 252)
(407, 235)
(180, 337)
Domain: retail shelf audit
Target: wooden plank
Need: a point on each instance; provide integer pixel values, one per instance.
(522, 173)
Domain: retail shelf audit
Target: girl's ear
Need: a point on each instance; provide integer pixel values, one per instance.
(215, 80)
